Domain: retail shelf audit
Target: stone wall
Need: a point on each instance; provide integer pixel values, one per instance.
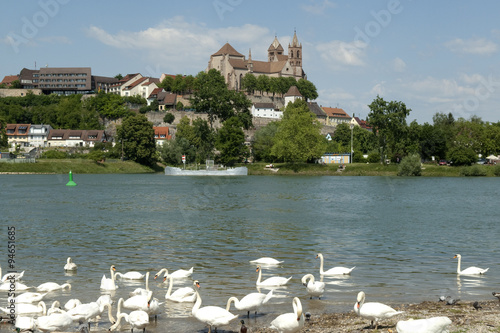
(18, 92)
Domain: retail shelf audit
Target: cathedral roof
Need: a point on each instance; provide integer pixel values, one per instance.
(275, 45)
(295, 41)
(228, 49)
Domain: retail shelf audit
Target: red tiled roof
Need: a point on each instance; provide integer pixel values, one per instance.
(228, 49)
(159, 131)
(9, 79)
(335, 112)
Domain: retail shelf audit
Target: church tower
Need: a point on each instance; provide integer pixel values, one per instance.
(295, 52)
(275, 50)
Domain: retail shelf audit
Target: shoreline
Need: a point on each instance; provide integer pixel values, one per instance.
(464, 318)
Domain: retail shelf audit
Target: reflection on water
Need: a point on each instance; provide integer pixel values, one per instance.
(400, 233)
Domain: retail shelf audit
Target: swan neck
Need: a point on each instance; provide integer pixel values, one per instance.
(170, 285)
(297, 307)
(147, 281)
(459, 262)
(259, 277)
(320, 263)
(232, 299)
(41, 304)
(197, 304)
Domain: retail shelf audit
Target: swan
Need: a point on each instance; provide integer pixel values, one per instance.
(130, 275)
(314, 288)
(142, 291)
(274, 281)
(334, 270)
(373, 310)
(266, 261)
(72, 303)
(178, 274)
(55, 308)
(27, 308)
(250, 302)
(109, 284)
(25, 323)
(51, 286)
(88, 311)
(55, 322)
(70, 265)
(290, 322)
(210, 315)
(17, 286)
(181, 295)
(469, 271)
(29, 297)
(136, 319)
(145, 303)
(429, 325)
(9, 276)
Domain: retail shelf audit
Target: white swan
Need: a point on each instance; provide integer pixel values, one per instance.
(17, 286)
(142, 291)
(27, 308)
(178, 274)
(51, 286)
(210, 315)
(181, 295)
(72, 303)
(373, 310)
(290, 322)
(58, 321)
(266, 261)
(136, 319)
(10, 276)
(55, 308)
(70, 265)
(109, 284)
(25, 323)
(133, 275)
(334, 270)
(145, 303)
(469, 271)
(87, 311)
(314, 288)
(29, 297)
(274, 281)
(429, 325)
(250, 302)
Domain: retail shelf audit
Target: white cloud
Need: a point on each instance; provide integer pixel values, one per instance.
(480, 46)
(337, 54)
(178, 42)
(398, 65)
(318, 8)
(379, 89)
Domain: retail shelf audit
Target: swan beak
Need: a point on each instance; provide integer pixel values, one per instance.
(298, 318)
(155, 277)
(357, 305)
(164, 279)
(454, 257)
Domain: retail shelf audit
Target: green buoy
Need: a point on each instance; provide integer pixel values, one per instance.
(71, 182)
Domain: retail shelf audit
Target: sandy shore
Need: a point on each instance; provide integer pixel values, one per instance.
(463, 316)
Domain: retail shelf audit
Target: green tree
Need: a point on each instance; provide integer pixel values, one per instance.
(3, 133)
(388, 120)
(199, 135)
(410, 166)
(178, 85)
(171, 152)
(15, 85)
(118, 76)
(307, 89)
(230, 141)
(299, 136)
(249, 83)
(461, 155)
(96, 156)
(179, 106)
(189, 83)
(137, 136)
(169, 118)
(108, 106)
(263, 83)
(262, 142)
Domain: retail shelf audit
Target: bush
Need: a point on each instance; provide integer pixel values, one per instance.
(374, 157)
(55, 154)
(169, 118)
(496, 170)
(473, 171)
(462, 156)
(410, 166)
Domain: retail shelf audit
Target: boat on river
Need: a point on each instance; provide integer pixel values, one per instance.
(209, 170)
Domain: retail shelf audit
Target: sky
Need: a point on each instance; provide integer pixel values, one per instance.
(434, 56)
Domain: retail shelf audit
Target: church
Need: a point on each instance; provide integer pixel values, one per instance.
(233, 65)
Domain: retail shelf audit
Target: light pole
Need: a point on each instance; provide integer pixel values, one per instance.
(352, 128)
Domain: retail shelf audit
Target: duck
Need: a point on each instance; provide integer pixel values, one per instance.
(51, 286)
(70, 265)
(181, 295)
(314, 288)
(29, 297)
(266, 261)
(210, 315)
(373, 310)
(290, 322)
(9, 276)
(468, 271)
(58, 321)
(274, 281)
(250, 302)
(133, 275)
(178, 274)
(334, 270)
(137, 319)
(109, 284)
(428, 325)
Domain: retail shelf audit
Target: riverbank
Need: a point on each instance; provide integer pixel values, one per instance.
(464, 318)
(84, 166)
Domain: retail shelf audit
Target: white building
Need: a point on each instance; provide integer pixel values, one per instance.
(38, 135)
(266, 110)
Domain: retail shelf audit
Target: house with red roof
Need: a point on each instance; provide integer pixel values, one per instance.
(7, 80)
(162, 134)
(336, 116)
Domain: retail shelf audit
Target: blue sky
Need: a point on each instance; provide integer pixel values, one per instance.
(435, 56)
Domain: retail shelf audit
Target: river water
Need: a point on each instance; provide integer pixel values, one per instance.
(400, 233)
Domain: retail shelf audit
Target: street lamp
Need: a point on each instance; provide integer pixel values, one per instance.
(352, 128)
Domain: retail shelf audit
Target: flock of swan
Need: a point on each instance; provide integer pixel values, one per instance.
(31, 313)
